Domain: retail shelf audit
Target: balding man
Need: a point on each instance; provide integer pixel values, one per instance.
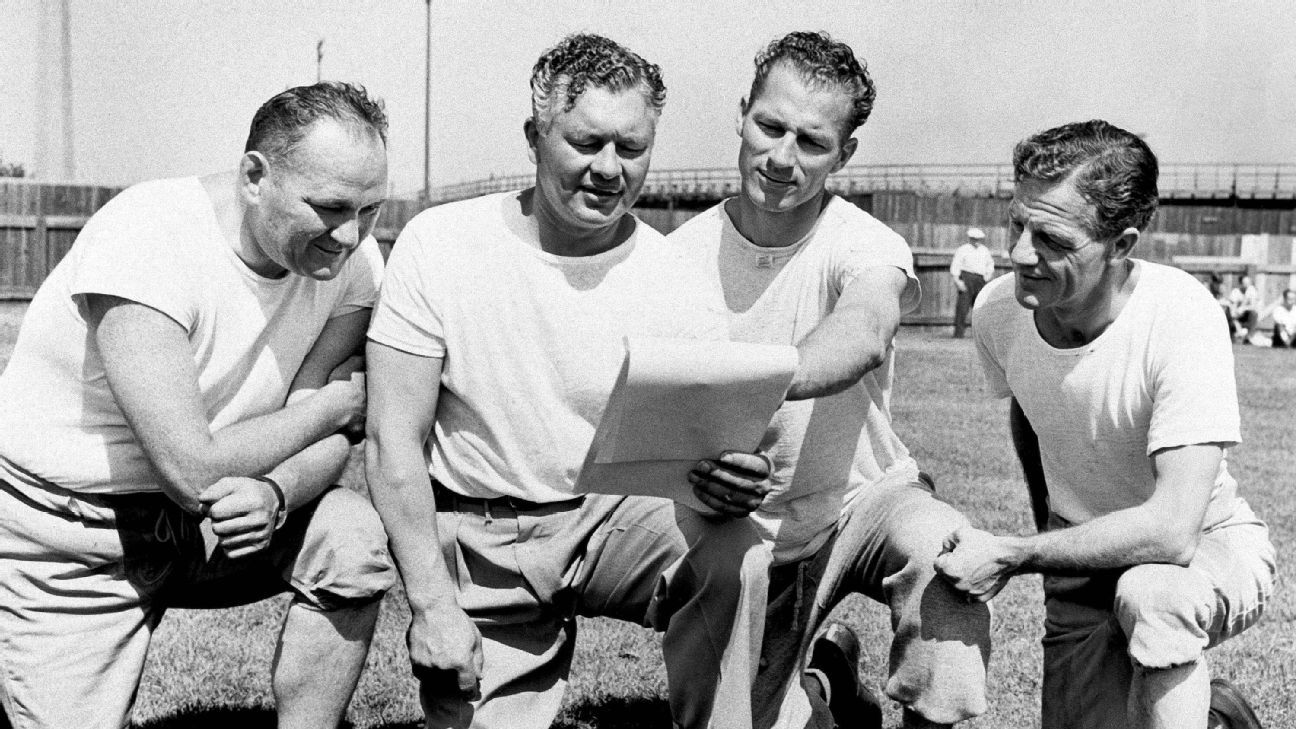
(185, 369)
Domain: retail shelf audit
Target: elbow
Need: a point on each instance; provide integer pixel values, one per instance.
(183, 482)
(1178, 546)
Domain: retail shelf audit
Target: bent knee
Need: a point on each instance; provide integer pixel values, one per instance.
(343, 561)
(1165, 612)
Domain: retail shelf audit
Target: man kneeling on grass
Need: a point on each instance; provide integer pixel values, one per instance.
(849, 511)
(1123, 405)
(190, 359)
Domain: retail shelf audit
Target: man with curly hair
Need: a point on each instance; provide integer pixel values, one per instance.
(188, 367)
(496, 343)
(1122, 424)
(849, 511)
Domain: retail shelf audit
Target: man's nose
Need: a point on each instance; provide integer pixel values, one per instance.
(783, 154)
(1021, 250)
(607, 163)
(348, 232)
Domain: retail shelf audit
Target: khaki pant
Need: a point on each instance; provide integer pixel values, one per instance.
(885, 545)
(525, 571)
(85, 579)
(1098, 628)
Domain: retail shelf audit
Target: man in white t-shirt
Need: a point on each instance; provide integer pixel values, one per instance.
(494, 347)
(971, 267)
(175, 410)
(1123, 407)
(1245, 304)
(849, 509)
(1284, 319)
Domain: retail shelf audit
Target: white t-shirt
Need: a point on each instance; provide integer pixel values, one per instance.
(157, 243)
(973, 259)
(1160, 376)
(1285, 319)
(827, 448)
(532, 342)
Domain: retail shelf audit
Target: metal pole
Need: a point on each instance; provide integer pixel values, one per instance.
(69, 138)
(427, 107)
(319, 60)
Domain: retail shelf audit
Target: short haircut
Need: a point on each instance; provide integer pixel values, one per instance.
(282, 122)
(584, 60)
(821, 61)
(1114, 170)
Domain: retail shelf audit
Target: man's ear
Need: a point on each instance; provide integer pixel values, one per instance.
(847, 151)
(532, 133)
(252, 171)
(1123, 245)
(742, 112)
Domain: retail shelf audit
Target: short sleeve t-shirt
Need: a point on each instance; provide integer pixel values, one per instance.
(1160, 376)
(158, 243)
(532, 342)
(827, 448)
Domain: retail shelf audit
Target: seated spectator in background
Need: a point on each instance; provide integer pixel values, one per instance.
(1122, 424)
(495, 345)
(850, 512)
(1216, 288)
(191, 359)
(1284, 319)
(971, 267)
(1245, 304)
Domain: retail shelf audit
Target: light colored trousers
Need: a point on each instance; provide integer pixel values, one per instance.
(525, 571)
(85, 579)
(886, 542)
(1098, 628)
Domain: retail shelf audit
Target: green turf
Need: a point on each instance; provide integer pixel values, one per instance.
(211, 669)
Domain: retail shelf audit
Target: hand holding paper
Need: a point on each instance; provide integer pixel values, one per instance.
(678, 402)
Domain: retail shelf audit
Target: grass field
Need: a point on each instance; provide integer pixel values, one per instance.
(210, 669)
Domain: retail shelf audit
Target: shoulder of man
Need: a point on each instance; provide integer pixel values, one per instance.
(703, 226)
(998, 300)
(152, 202)
(843, 212)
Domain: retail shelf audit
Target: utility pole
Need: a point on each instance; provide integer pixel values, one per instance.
(69, 139)
(427, 107)
(319, 60)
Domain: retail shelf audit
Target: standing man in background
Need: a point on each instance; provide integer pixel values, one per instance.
(849, 511)
(190, 359)
(495, 346)
(972, 266)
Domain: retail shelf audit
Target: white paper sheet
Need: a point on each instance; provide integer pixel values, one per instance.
(679, 401)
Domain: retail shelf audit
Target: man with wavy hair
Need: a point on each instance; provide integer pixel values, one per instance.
(187, 367)
(497, 340)
(849, 510)
(1122, 424)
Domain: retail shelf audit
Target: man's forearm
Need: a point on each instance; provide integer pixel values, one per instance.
(833, 358)
(307, 474)
(403, 497)
(257, 446)
(1124, 538)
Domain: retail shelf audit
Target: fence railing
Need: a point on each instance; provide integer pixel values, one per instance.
(1190, 181)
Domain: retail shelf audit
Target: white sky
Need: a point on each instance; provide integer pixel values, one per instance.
(165, 87)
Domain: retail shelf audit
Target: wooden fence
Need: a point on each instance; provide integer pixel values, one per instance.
(38, 223)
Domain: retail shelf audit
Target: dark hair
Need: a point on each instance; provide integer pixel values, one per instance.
(281, 123)
(1112, 169)
(820, 60)
(582, 60)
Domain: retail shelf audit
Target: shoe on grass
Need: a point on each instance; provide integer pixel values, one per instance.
(1229, 709)
(834, 661)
